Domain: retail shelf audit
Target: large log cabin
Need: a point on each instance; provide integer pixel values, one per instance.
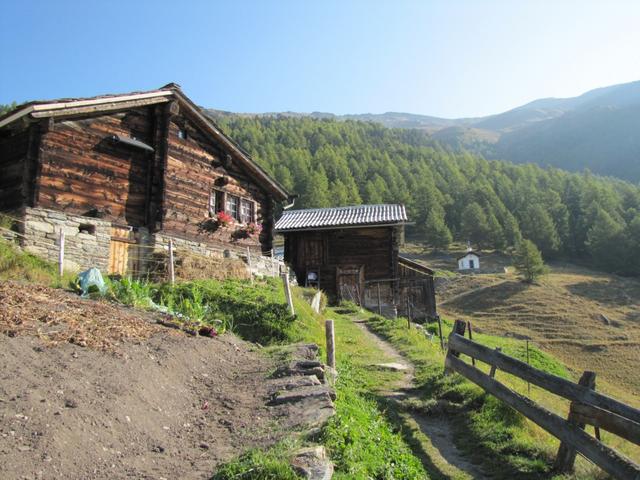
(118, 173)
(353, 253)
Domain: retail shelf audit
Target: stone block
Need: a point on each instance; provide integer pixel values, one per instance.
(39, 226)
(87, 237)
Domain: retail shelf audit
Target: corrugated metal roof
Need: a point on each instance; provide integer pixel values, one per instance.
(317, 218)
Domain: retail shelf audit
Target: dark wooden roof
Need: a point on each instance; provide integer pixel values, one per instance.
(413, 265)
(341, 217)
(83, 106)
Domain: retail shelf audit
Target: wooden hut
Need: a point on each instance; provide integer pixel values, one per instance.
(352, 253)
(123, 174)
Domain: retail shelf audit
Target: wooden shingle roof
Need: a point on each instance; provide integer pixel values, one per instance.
(341, 217)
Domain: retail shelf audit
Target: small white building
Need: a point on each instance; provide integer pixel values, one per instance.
(470, 261)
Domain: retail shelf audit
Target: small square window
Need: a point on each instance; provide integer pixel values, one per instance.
(182, 134)
(87, 228)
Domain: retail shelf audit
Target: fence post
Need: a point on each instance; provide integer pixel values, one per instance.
(492, 372)
(440, 332)
(61, 253)
(458, 327)
(528, 383)
(566, 456)
(249, 264)
(287, 292)
(473, 360)
(331, 344)
(172, 273)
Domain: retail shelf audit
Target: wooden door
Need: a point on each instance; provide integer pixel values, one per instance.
(350, 283)
(123, 252)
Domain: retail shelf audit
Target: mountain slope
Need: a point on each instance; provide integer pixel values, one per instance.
(596, 130)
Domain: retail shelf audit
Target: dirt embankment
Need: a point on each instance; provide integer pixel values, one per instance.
(145, 402)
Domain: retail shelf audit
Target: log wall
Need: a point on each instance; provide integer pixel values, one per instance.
(328, 249)
(195, 166)
(82, 170)
(13, 154)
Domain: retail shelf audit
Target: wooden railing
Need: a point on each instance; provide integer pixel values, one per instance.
(588, 407)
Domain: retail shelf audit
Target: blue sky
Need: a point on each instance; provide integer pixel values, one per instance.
(444, 58)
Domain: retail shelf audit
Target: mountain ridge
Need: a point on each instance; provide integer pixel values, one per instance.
(594, 130)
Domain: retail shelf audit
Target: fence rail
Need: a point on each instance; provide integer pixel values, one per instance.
(587, 406)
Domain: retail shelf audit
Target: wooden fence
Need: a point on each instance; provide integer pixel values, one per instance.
(588, 407)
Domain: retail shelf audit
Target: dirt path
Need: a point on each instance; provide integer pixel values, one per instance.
(445, 457)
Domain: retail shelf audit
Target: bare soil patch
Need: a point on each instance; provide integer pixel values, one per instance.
(56, 316)
(93, 390)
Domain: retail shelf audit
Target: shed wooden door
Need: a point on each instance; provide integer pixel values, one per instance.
(123, 252)
(350, 282)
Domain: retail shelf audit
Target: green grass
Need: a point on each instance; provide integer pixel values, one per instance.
(18, 265)
(368, 437)
(271, 464)
(490, 433)
(360, 439)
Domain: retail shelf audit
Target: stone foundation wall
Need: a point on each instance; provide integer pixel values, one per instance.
(260, 265)
(41, 230)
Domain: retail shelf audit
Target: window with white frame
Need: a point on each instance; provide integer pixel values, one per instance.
(247, 211)
(233, 206)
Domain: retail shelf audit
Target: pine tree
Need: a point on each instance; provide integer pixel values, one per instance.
(474, 226)
(606, 242)
(528, 261)
(436, 232)
(495, 232)
(537, 225)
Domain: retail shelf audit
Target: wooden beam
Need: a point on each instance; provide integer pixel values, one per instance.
(566, 457)
(606, 458)
(599, 418)
(99, 108)
(552, 383)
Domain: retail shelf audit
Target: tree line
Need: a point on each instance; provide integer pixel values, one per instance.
(449, 194)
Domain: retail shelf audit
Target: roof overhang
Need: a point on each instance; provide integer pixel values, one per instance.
(163, 95)
(53, 109)
(341, 227)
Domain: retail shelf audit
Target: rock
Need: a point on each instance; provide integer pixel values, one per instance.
(605, 319)
(70, 403)
(204, 446)
(44, 227)
(24, 448)
(289, 383)
(312, 463)
(299, 394)
(396, 367)
(157, 449)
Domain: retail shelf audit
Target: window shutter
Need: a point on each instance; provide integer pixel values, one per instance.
(220, 201)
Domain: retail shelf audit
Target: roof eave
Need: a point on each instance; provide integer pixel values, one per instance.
(340, 227)
(47, 109)
(274, 186)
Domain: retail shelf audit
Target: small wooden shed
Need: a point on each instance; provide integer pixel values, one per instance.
(352, 253)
